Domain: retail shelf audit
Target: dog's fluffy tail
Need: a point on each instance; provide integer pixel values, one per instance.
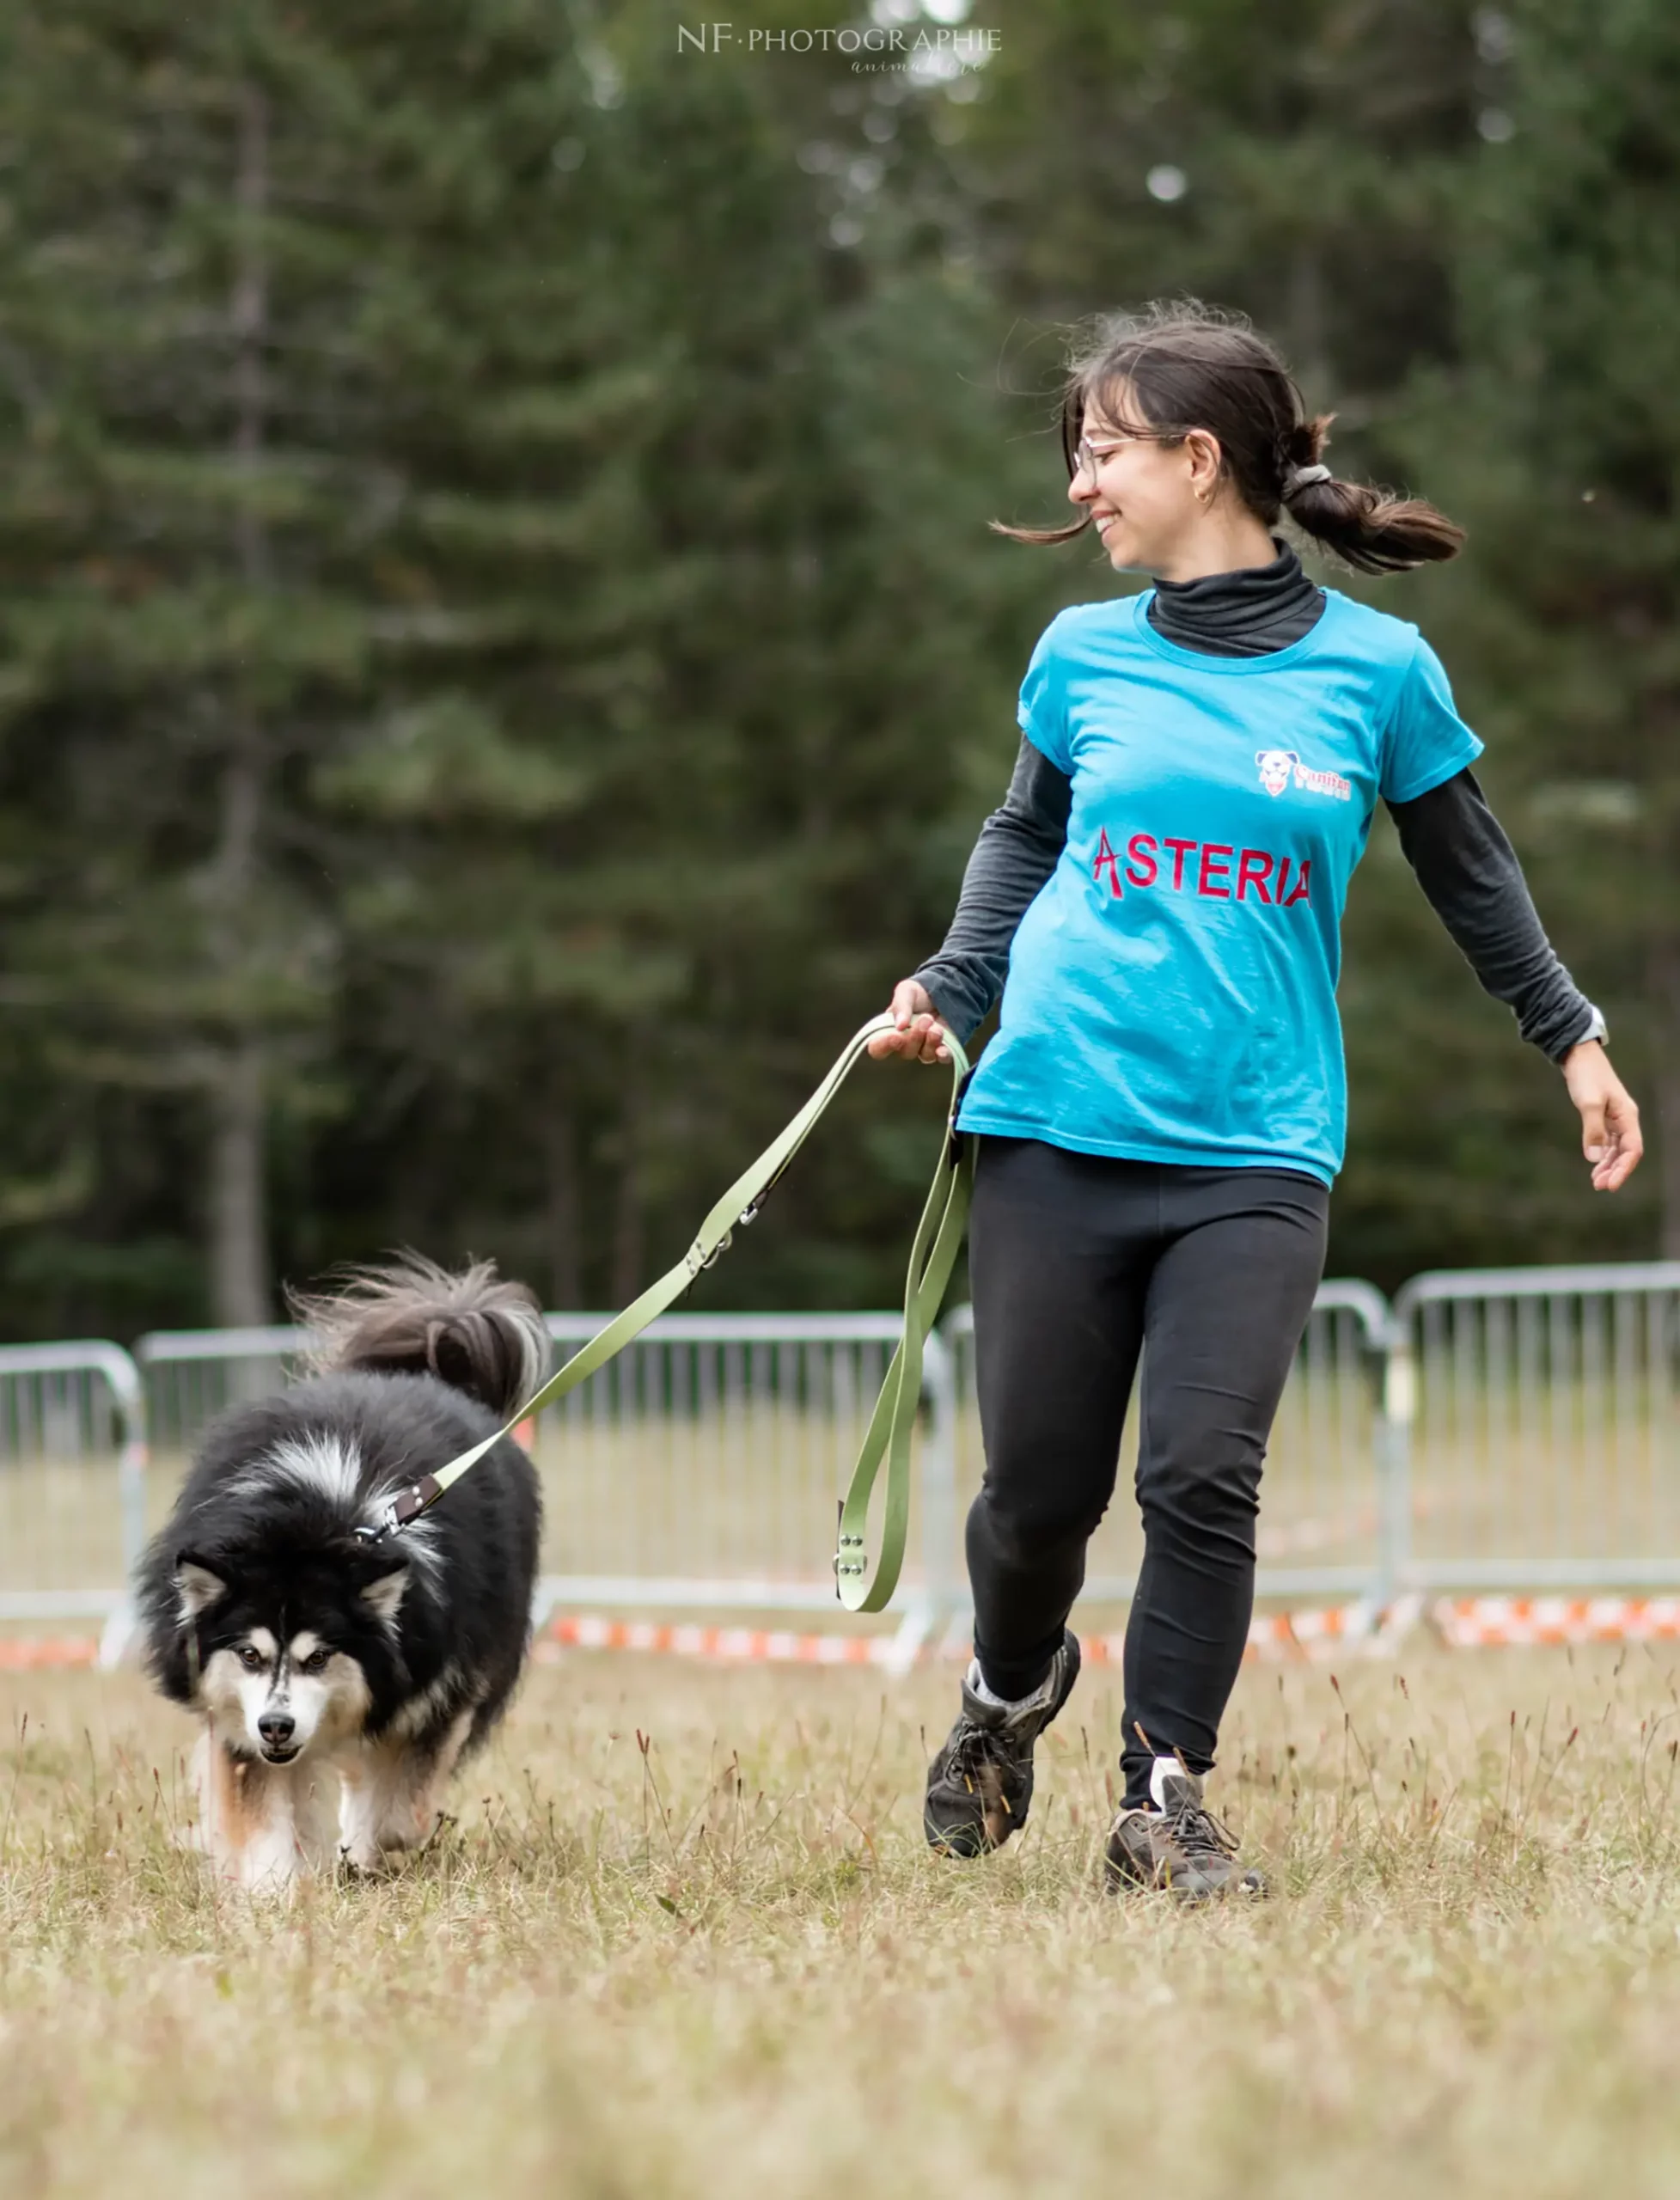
(411, 1317)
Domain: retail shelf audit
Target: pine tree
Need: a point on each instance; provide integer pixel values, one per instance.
(1573, 321)
(170, 647)
(317, 462)
(1556, 433)
(502, 585)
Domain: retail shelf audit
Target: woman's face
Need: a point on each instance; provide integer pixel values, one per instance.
(1143, 498)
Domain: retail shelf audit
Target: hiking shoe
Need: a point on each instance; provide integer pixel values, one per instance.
(1179, 1846)
(979, 1786)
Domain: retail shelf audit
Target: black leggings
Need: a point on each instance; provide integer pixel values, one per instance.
(1076, 1260)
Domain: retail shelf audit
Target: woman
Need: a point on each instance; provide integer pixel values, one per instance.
(1161, 1112)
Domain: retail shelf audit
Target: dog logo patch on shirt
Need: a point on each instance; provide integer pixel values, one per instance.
(1279, 766)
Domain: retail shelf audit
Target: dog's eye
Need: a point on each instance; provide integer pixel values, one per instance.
(316, 1662)
(251, 1660)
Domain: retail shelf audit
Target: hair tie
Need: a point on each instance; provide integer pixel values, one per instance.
(1302, 477)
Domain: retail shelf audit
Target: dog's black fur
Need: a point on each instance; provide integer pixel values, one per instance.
(289, 1553)
(426, 1629)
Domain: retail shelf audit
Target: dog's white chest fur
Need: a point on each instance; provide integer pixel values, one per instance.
(264, 1826)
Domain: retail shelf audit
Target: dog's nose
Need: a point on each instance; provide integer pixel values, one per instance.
(277, 1728)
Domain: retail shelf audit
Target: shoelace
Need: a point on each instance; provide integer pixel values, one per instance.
(1195, 1829)
(973, 1745)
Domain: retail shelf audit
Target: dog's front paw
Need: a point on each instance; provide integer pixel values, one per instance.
(263, 1879)
(361, 1860)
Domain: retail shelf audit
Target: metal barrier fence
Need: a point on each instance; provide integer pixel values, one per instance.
(192, 1375)
(72, 1478)
(1537, 1415)
(700, 1467)
(1495, 1429)
(697, 1471)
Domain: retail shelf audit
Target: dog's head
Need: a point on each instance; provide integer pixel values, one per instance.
(290, 1647)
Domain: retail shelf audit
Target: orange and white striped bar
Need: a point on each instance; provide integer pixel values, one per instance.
(1341, 1630)
(34, 1653)
(1362, 1630)
(1281, 1638)
(751, 1645)
(1521, 1622)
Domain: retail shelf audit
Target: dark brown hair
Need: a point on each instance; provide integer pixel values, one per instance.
(1180, 365)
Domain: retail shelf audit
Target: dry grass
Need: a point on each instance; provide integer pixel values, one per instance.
(719, 1961)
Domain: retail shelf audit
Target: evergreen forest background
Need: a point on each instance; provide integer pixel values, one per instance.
(502, 660)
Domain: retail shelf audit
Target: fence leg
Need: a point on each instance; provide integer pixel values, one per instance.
(913, 1630)
(120, 1642)
(131, 1498)
(543, 1601)
(1394, 1547)
(938, 1481)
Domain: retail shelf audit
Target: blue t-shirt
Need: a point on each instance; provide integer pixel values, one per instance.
(1171, 990)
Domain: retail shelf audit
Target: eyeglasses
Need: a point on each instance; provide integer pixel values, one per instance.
(1086, 454)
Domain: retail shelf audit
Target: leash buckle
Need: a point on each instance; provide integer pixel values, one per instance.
(698, 1268)
(849, 1558)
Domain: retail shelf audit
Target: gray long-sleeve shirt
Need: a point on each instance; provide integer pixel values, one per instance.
(1462, 859)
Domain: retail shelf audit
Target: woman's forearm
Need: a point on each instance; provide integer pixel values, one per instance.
(1016, 854)
(1469, 871)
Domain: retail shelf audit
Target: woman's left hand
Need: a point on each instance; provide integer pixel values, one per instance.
(1609, 1121)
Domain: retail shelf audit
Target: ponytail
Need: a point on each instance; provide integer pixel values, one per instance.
(1368, 528)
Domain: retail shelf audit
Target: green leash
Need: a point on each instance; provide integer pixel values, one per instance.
(892, 1424)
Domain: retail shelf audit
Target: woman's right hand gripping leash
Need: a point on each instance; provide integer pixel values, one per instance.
(920, 1036)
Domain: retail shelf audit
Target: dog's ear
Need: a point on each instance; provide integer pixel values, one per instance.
(198, 1584)
(385, 1594)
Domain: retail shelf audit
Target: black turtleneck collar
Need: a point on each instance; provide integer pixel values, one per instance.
(1240, 614)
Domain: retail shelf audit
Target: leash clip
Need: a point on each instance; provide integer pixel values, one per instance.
(397, 1511)
(748, 1214)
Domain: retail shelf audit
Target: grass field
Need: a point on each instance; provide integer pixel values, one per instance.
(684, 1939)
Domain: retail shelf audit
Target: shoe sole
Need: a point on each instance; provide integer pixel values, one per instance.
(1123, 1886)
(1121, 1880)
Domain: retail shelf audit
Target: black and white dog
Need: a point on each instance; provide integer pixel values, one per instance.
(338, 1680)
